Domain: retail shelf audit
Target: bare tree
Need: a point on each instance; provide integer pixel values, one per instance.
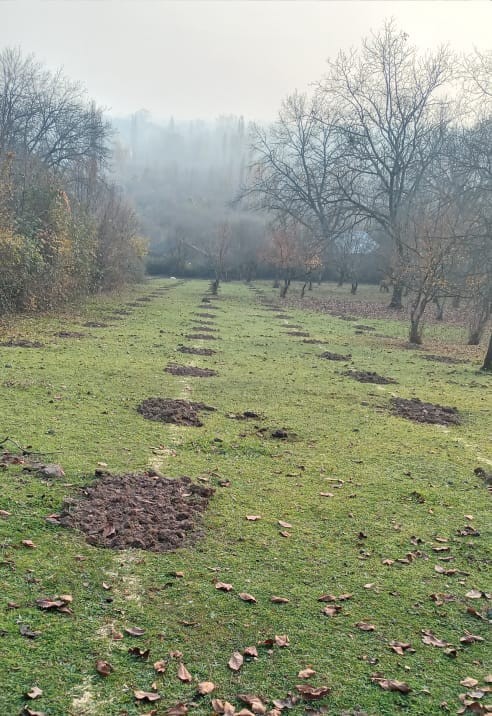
(390, 108)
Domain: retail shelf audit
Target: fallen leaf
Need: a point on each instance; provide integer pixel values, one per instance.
(26, 711)
(284, 533)
(282, 640)
(287, 525)
(469, 638)
(4, 514)
(327, 598)
(205, 687)
(474, 613)
(400, 647)
(251, 651)
(146, 695)
(29, 543)
(35, 692)
(140, 653)
(247, 597)
(388, 562)
(177, 710)
(391, 684)
(160, 666)
(279, 600)
(431, 640)
(442, 570)
(134, 631)
(223, 586)
(332, 609)
(306, 673)
(106, 586)
(236, 661)
(26, 631)
(254, 702)
(469, 683)
(311, 693)
(253, 518)
(327, 494)
(474, 594)
(365, 626)
(176, 654)
(183, 673)
(223, 707)
(103, 667)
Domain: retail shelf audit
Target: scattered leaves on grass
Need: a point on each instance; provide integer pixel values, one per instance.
(177, 710)
(35, 692)
(26, 711)
(103, 668)
(58, 604)
(432, 640)
(223, 707)
(247, 597)
(279, 600)
(236, 661)
(223, 586)
(390, 684)
(306, 673)
(400, 647)
(205, 687)
(183, 673)
(254, 702)
(146, 695)
(312, 693)
(135, 631)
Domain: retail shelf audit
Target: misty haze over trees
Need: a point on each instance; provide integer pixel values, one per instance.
(382, 173)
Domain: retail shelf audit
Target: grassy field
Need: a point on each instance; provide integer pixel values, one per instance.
(397, 487)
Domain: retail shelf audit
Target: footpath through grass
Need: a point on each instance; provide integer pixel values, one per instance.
(359, 487)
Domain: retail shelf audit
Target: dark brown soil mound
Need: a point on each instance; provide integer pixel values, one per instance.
(444, 359)
(335, 356)
(95, 324)
(152, 513)
(196, 351)
(21, 343)
(369, 377)
(204, 327)
(313, 340)
(201, 337)
(298, 334)
(205, 315)
(415, 409)
(167, 410)
(246, 415)
(70, 334)
(176, 369)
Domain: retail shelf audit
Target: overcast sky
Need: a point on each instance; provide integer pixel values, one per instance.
(203, 59)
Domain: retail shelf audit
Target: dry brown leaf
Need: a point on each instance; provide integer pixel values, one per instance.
(470, 638)
(34, 692)
(138, 652)
(284, 533)
(254, 702)
(469, 683)
(205, 687)
(160, 666)
(146, 695)
(287, 525)
(332, 610)
(279, 600)
(282, 640)
(306, 673)
(223, 586)
(365, 626)
(134, 631)
(327, 598)
(311, 693)
(327, 494)
(247, 597)
(103, 667)
(223, 707)
(253, 518)
(183, 673)
(432, 640)
(29, 543)
(177, 710)
(391, 684)
(176, 654)
(251, 651)
(244, 712)
(474, 594)
(236, 661)
(400, 647)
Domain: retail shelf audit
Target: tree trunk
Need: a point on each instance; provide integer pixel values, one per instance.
(276, 283)
(310, 287)
(456, 301)
(285, 288)
(474, 337)
(487, 364)
(303, 290)
(355, 285)
(396, 302)
(415, 335)
(440, 310)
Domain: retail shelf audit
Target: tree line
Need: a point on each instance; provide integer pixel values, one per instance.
(65, 229)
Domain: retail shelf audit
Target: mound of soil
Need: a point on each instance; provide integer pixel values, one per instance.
(204, 327)
(313, 340)
(152, 513)
(168, 410)
(335, 356)
(121, 312)
(444, 359)
(365, 328)
(298, 334)
(201, 337)
(369, 377)
(70, 334)
(204, 315)
(415, 409)
(95, 324)
(21, 343)
(196, 351)
(246, 415)
(176, 369)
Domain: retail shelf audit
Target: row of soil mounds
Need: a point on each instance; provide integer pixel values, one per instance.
(138, 510)
(176, 369)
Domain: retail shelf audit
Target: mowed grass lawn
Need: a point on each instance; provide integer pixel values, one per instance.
(398, 487)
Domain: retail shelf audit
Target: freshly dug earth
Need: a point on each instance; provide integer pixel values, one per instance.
(95, 324)
(153, 513)
(369, 377)
(70, 334)
(313, 340)
(444, 359)
(415, 409)
(204, 315)
(21, 343)
(298, 334)
(335, 356)
(204, 327)
(168, 410)
(176, 369)
(196, 351)
(201, 337)
(121, 312)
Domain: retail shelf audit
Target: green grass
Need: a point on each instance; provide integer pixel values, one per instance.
(76, 400)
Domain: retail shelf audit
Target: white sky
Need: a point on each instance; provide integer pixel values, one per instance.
(202, 59)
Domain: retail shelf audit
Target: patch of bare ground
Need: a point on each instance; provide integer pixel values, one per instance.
(298, 334)
(204, 315)
(136, 510)
(246, 415)
(196, 351)
(21, 343)
(369, 377)
(444, 359)
(95, 324)
(144, 299)
(70, 334)
(201, 337)
(335, 356)
(169, 410)
(176, 369)
(204, 327)
(313, 341)
(421, 412)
